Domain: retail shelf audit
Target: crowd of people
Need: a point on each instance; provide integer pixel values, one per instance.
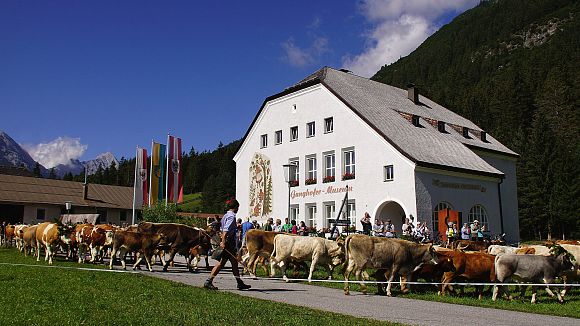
(474, 231)
(387, 229)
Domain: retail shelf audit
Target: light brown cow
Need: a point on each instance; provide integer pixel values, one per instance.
(49, 236)
(259, 243)
(393, 256)
(9, 234)
(83, 235)
(18, 233)
(29, 239)
(99, 240)
(141, 243)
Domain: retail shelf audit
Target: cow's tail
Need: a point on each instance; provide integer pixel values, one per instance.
(346, 244)
(273, 254)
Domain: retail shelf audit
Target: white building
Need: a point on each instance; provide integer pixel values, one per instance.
(399, 154)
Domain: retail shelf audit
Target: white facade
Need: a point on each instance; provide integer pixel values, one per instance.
(412, 191)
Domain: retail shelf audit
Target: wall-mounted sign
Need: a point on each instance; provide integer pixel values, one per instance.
(316, 192)
(456, 185)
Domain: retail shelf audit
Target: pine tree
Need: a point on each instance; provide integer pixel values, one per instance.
(36, 170)
(52, 174)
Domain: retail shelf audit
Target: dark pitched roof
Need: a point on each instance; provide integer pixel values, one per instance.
(20, 189)
(383, 107)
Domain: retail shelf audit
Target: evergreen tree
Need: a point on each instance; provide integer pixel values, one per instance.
(52, 174)
(36, 170)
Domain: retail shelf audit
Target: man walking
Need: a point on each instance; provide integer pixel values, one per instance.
(228, 245)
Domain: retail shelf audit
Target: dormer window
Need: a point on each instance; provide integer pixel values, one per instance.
(415, 121)
(441, 126)
(483, 136)
(466, 132)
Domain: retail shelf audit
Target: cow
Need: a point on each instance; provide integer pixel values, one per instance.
(18, 233)
(431, 272)
(195, 254)
(179, 238)
(533, 250)
(259, 244)
(469, 245)
(29, 239)
(100, 237)
(50, 235)
(83, 238)
(570, 275)
(9, 234)
(531, 268)
(470, 266)
(141, 243)
(328, 253)
(500, 250)
(394, 256)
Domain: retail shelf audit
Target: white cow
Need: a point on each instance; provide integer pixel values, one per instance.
(500, 250)
(317, 250)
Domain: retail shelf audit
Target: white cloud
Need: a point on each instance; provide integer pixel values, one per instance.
(300, 57)
(58, 151)
(399, 27)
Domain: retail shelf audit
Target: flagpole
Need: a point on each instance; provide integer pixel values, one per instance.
(151, 174)
(134, 186)
(167, 172)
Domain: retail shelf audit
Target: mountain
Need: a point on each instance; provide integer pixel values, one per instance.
(12, 155)
(77, 167)
(513, 68)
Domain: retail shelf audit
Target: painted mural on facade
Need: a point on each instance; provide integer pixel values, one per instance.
(260, 186)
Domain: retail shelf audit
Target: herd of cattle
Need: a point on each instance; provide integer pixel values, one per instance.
(387, 258)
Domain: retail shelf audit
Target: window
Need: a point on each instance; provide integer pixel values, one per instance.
(263, 141)
(296, 177)
(415, 121)
(388, 173)
(483, 136)
(441, 206)
(466, 132)
(294, 213)
(478, 212)
(310, 129)
(328, 125)
(311, 211)
(310, 170)
(102, 215)
(349, 165)
(123, 216)
(329, 213)
(329, 167)
(351, 211)
(40, 214)
(441, 126)
(278, 137)
(294, 133)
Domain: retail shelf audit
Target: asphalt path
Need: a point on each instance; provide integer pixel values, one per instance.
(395, 309)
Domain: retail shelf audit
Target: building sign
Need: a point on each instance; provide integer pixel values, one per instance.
(456, 185)
(260, 186)
(316, 192)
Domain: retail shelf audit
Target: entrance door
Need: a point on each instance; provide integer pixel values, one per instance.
(444, 217)
(13, 214)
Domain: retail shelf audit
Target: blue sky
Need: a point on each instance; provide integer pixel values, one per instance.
(79, 78)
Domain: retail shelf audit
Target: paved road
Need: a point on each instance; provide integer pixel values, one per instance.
(408, 311)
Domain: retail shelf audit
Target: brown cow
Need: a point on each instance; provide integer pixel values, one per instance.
(83, 237)
(29, 239)
(9, 234)
(100, 238)
(259, 243)
(469, 245)
(470, 266)
(431, 272)
(49, 236)
(180, 238)
(141, 243)
(394, 256)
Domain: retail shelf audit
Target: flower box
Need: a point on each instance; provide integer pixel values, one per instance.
(294, 183)
(310, 181)
(348, 176)
(327, 179)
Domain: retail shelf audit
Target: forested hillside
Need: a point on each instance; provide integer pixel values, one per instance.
(512, 67)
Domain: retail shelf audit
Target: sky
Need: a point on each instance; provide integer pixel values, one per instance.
(79, 78)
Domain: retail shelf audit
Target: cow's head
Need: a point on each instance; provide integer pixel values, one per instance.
(109, 238)
(430, 255)
(65, 233)
(445, 263)
(212, 229)
(160, 239)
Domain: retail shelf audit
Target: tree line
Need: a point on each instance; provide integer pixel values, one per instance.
(524, 94)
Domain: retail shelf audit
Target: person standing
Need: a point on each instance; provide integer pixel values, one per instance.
(278, 226)
(228, 245)
(287, 227)
(246, 226)
(268, 225)
(465, 232)
(474, 230)
(389, 229)
(366, 224)
(294, 227)
(303, 229)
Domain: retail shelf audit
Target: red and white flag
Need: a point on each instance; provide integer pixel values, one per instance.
(174, 171)
(140, 191)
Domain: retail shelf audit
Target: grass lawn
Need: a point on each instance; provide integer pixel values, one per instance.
(54, 296)
(546, 305)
